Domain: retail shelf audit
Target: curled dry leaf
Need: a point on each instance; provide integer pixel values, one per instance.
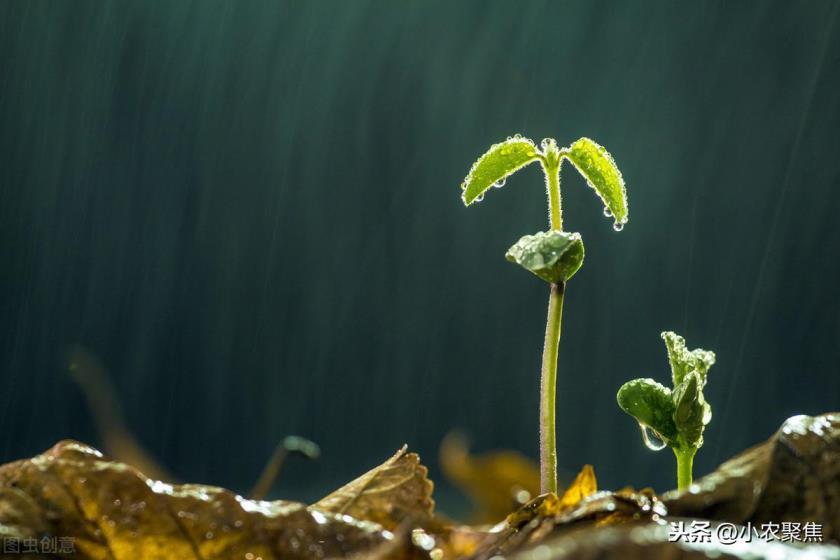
(396, 492)
(113, 512)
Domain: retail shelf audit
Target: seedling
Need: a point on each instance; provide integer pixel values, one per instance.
(554, 255)
(673, 417)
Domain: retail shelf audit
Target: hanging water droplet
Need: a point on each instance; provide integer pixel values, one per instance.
(607, 212)
(500, 183)
(479, 198)
(652, 439)
(618, 226)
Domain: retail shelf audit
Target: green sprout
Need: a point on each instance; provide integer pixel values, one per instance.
(673, 417)
(554, 255)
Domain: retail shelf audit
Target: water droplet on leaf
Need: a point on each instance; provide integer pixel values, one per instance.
(618, 226)
(607, 212)
(652, 439)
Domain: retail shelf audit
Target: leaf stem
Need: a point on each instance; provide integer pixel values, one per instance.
(548, 390)
(685, 464)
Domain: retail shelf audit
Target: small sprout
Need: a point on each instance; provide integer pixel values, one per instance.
(555, 255)
(291, 445)
(673, 417)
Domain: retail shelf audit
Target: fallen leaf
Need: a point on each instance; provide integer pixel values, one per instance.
(113, 512)
(549, 505)
(653, 541)
(496, 482)
(395, 492)
(584, 485)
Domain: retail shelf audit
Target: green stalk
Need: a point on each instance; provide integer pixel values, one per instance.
(548, 391)
(685, 464)
(548, 377)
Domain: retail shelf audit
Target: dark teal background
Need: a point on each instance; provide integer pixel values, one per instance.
(251, 211)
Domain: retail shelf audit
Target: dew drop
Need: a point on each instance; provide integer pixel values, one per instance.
(652, 439)
(479, 198)
(618, 226)
(547, 143)
(500, 183)
(607, 212)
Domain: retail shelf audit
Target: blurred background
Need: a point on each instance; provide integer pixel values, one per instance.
(250, 213)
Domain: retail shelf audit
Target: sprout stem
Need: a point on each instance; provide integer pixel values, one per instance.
(685, 464)
(548, 377)
(548, 390)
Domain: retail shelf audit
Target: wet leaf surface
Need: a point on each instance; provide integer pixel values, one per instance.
(396, 492)
(114, 512)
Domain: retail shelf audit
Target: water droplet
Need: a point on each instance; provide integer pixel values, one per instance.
(607, 212)
(500, 183)
(652, 439)
(547, 144)
(517, 136)
(618, 226)
(479, 198)
(422, 539)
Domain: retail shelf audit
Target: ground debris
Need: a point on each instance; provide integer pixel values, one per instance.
(111, 511)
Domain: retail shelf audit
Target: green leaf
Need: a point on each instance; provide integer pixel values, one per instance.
(684, 361)
(597, 166)
(691, 411)
(554, 256)
(495, 165)
(650, 403)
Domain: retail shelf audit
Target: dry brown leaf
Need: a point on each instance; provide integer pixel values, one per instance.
(549, 505)
(113, 512)
(496, 482)
(585, 485)
(395, 492)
